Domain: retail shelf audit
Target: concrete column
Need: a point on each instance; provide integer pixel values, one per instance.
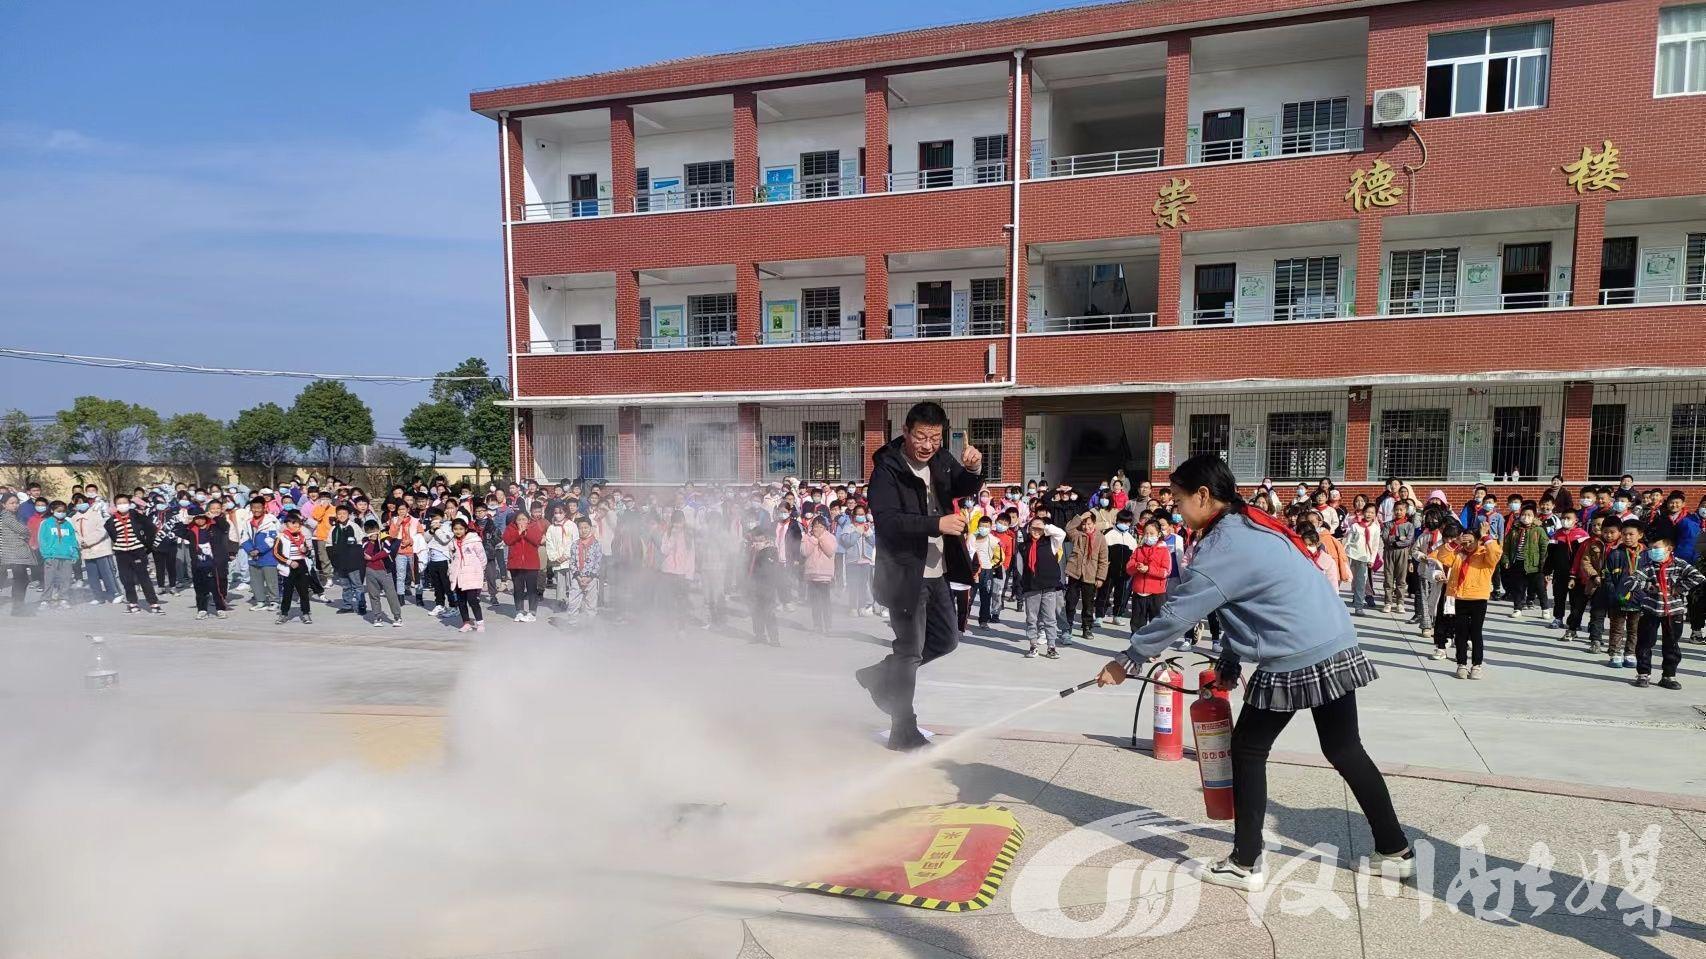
(1357, 435)
(746, 146)
(1578, 427)
(876, 296)
(627, 310)
(749, 308)
(622, 159)
(749, 441)
(1178, 97)
(1590, 245)
(627, 444)
(1161, 431)
(876, 431)
(523, 313)
(1367, 291)
(1169, 311)
(1012, 440)
(876, 134)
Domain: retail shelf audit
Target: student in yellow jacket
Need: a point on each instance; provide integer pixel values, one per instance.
(1467, 564)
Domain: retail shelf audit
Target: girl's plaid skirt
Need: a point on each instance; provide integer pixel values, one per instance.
(1310, 686)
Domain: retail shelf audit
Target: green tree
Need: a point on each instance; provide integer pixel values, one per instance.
(329, 420)
(436, 426)
(489, 432)
(25, 446)
(110, 435)
(195, 440)
(399, 466)
(261, 435)
(466, 384)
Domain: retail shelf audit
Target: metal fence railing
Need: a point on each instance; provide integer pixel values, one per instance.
(1112, 161)
(1324, 309)
(567, 209)
(1090, 324)
(810, 188)
(575, 345)
(1275, 145)
(1676, 293)
(1478, 302)
(688, 341)
(994, 171)
(687, 198)
(822, 334)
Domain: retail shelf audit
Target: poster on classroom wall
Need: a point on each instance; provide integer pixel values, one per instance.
(668, 320)
(780, 458)
(1647, 450)
(1241, 457)
(781, 319)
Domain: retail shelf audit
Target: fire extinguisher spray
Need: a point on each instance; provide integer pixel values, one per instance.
(1169, 714)
(1211, 731)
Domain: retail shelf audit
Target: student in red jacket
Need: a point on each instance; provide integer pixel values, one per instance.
(522, 537)
(1148, 567)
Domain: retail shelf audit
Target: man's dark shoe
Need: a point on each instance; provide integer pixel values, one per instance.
(871, 677)
(907, 740)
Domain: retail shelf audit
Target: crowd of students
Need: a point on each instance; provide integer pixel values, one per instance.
(1629, 562)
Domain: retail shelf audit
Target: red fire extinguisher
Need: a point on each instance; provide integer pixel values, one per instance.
(1211, 731)
(1169, 713)
(1206, 680)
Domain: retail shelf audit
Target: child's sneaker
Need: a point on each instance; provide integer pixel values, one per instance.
(1614, 662)
(1516, 614)
(1230, 874)
(397, 623)
(220, 614)
(1557, 622)
(1628, 661)
(1052, 653)
(1476, 670)
(1569, 636)
(1031, 653)
(377, 623)
(480, 626)
(1439, 652)
(1401, 866)
(465, 628)
(1642, 681)
(1669, 682)
(1462, 672)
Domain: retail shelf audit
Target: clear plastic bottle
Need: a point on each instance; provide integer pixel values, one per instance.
(102, 673)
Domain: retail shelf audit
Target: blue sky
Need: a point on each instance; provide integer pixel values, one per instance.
(293, 186)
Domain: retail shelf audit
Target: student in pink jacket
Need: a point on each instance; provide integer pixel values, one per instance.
(1324, 560)
(817, 549)
(676, 561)
(467, 574)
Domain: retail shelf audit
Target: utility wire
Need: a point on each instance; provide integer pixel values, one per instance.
(120, 363)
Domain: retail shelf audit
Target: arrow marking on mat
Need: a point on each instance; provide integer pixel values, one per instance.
(938, 860)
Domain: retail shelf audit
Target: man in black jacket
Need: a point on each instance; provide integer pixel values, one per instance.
(920, 550)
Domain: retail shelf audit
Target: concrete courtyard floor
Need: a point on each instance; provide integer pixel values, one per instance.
(1552, 748)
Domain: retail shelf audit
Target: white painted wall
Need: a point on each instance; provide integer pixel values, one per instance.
(1066, 285)
(1258, 261)
(553, 314)
(781, 142)
(676, 294)
(1251, 410)
(1264, 91)
(1660, 236)
(553, 155)
(852, 295)
(903, 286)
(1473, 404)
(960, 122)
(666, 154)
(1485, 247)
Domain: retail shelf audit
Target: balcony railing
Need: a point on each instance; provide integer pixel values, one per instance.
(566, 209)
(933, 329)
(688, 341)
(1083, 164)
(810, 188)
(1478, 303)
(1275, 145)
(993, 171)
(1090, 324)
(1682, 293)
(1322, 309)
(686, 198)
(595, 345)
(819, 334)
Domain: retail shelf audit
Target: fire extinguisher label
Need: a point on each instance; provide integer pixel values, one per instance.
(1163, 714)
(1214, 752)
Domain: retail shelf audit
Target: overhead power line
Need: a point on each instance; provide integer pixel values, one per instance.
(154, 366)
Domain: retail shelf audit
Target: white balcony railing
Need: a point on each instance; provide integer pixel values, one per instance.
(810, 188)
(686, 198)
(1083, 164)
(935, 329)
(1275, 145)
(1478, 303)
(820, 334)
(594, 345)
(566, 209)
(688, 341)
(994, 171)
(1321, 309)
(1682, 293)
(1089, 324)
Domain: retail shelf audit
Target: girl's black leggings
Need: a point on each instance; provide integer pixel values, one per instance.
(468, 604)
(438, 576)
(1336, 725)
(527, 589)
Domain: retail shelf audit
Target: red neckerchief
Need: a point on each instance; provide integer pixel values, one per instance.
(1031, 553)
(1463, 567)
(1664, 585)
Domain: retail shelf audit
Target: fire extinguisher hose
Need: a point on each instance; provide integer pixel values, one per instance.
(1148, 679)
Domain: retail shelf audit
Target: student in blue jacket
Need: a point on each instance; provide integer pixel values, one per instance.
(1277, 611)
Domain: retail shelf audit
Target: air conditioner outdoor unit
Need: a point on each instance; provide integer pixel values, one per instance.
(1397, 106)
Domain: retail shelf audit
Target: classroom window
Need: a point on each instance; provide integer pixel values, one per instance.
(820, 174)
(823, 450)
(1605, 440)
(1488, 71)
(1414, 443)
(711, 319)
(985, 434)
(989, 158)
(1300, 444)
(1688, 441)
(1682, 51)
(1312, 126)
(1306, 288)
(820, 311)
(1422, 281)
(589, 451)
(988, 306)
(1516, 441)
(1210, 433)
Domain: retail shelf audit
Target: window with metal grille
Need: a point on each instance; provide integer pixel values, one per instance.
(642, 189)
(1414, 444)
(820, 308)
(988, 306)
(711, 319)
(1422, 281)
(1314, 125)
(1688, 441)
(1695, 261)
(646, 315)
(1516, 441)
(1605, 440)
(1210, 433)
(1488, 70)
(1306, 287)
(1300, 444)
(711, 452)
(710, 184)
(589, 451)
(823, 450)
(985, 434)
(820, 174)
(1682, 51)
(989, 158)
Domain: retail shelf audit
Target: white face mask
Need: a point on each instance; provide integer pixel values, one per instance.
(1151, 540)
(124, 507)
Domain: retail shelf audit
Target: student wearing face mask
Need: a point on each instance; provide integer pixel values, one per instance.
(1663, 585)
(56, 539)
(1467, 567)
(1524, 558)
(858, 541)
(1691, 548)
(1121, 541)
(1149, 566)
(1566, 536)
(97, 552)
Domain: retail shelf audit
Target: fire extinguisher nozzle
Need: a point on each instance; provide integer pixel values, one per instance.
(1086, 684)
